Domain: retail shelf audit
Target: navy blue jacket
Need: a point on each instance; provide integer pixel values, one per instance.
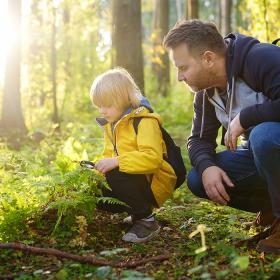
(258, 64)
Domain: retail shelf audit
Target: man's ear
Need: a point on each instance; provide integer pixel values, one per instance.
(209, 58)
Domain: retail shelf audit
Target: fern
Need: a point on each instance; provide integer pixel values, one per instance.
(32, 183)
(111, 200)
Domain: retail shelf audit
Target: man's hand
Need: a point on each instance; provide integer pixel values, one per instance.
(213, 179)
(234, 131)
(106, 164)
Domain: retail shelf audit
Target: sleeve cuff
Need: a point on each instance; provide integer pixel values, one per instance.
(203, 165)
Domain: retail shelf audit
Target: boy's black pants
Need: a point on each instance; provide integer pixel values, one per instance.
(133, 189)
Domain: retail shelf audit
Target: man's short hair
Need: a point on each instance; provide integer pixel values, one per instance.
(199, 36)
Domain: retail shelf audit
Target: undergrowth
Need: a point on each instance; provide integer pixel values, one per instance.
(48, 200)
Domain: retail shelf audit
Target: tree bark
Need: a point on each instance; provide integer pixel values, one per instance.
(127, 38)
(226, 16)
(179, 9)
(12, 120)
(192, 9)
(160, 55)
(55, 117)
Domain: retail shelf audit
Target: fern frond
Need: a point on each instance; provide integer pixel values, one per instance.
(111, 200)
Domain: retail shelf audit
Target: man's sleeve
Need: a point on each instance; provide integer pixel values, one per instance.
(202, 150)
(262, 72)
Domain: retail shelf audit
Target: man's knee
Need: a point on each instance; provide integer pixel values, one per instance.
(195, 185)
(264, 137)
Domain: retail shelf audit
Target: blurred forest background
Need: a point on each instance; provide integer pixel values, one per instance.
(50, 52)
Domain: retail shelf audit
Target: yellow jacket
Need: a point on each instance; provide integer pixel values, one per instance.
(141, 153)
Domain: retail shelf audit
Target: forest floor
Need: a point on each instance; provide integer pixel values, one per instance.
(33, 175)
(224, 257)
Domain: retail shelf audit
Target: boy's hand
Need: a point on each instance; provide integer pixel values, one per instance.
(106, 164)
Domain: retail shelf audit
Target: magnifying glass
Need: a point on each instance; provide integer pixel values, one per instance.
(87, 164)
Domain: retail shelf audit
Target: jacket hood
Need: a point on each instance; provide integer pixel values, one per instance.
(144, 102)
(238, 47)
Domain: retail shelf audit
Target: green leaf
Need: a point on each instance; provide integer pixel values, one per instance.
(276, 264)
(103, 271)
(240, 262)
(134, 275)
(205, 275)
(195, 269)
(62, 274)
(222, 274)
(113, 252)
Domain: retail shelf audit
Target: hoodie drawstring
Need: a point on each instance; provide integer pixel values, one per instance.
(231, 95)
(232, 92)
(203, 114)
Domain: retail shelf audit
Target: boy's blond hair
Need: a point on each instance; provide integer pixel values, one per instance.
(115, 88)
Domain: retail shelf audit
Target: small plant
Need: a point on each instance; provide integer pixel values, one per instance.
(80, 240)
(76, 191)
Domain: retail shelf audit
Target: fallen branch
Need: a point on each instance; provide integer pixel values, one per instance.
(81, 259)
(254, 239)
(9, 276)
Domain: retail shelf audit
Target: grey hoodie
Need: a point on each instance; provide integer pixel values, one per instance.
(253, 71)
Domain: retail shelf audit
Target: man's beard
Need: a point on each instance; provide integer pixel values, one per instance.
(205, 86)
(193, 89)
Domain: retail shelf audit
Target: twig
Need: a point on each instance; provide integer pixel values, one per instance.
(81, 259)
(254, 239)
(9, 276)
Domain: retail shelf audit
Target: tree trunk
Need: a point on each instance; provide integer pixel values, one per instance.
(192, 9)
(55, 117)
(12, 116)
(179, 9)
(127, 38)
(67, 50)
(226, 16)
(160, 55)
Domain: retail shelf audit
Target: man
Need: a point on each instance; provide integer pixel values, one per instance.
(236, 82)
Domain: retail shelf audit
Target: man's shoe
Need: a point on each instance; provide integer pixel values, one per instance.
(263, 219)
(272, 243)
(141, 231)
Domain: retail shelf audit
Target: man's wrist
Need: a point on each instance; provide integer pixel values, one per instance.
(204, 165)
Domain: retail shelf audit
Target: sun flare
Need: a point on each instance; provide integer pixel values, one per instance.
(4, 31)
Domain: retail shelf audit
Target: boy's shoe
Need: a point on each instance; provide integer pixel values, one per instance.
(128, 220)
(141, 231)
(263, 219)
(272, 243)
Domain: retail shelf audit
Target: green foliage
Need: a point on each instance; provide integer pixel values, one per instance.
(263, 19)
(76, 192)
(33, 183)
(82, 50)
(43, 188)
(44, 177)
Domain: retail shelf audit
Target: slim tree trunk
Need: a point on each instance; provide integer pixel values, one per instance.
(179, 9)
(67, 50)
(12, 116)
(127, 38)
(160, 55)
(55, 117)
(192, 9)
(226, 16)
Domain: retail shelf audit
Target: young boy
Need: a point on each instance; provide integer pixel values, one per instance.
(132, 162)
